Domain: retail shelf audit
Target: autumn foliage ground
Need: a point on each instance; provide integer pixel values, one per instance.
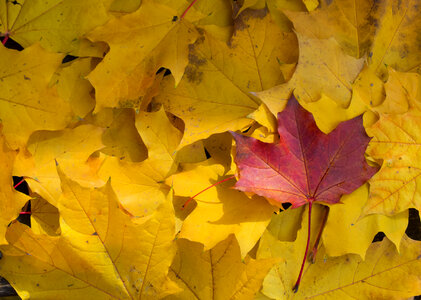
(114, 113)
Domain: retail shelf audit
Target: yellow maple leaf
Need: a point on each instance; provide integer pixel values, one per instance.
(214, 94)
(220, 211)
(349, 22)
(140, 43)
(322, 69)
(70, 147)
(394, 44)
(11, 201)
(218, 273)
(346, 233)
(56, 24)
(100, 253)
(334, 277)
(27, 103)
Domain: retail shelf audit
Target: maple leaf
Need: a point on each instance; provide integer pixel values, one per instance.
(27, 103)
(218, 273)
(214, 94)
(322, 68)
(101, 252)
(333, 277)
(220, 211)
(138, 48)
(56, 24)
(396, 141)
(346, 232)
(305, 166)
(11, 201)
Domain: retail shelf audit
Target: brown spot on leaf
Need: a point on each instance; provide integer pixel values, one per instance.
(193, 74)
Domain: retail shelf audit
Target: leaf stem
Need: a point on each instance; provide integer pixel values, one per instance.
(312, 255)
(297, 284)
(6, 37)
(20, 182)
(215, 184)
(187, 9)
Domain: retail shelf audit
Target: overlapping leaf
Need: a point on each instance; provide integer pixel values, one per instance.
(214, 94)
(56, 24)
(100, 253)
(139, 46)
(349, 275)
(26, 101)
(305, 165)
(218, 273)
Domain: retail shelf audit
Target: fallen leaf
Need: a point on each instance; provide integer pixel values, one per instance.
(322, 69)
(161, 138)
(136, 184)
(139, 46)
(351, 23)
(101, 253)
(218, 273)
(214, 94)
(44, 217)
(394, 42)
(346, 233)
(11, 201)
(395, 141)
(70, 147)
(281, 278)
(27, 103)
(56, 24)
(334, 277)
(220, 211)
(74, 88)
(305, 165)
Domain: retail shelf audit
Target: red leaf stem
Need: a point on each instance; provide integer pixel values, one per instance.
(19, 183)
(297, 284)
(215, 184)
(188, 8)
(6, 37)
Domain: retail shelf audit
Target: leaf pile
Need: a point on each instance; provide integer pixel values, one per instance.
(116, 112)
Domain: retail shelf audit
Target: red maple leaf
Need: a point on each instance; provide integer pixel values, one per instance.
(306, 165)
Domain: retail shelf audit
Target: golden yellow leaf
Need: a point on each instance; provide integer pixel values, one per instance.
(26, 102)
(328, 113)
(214, 94)
(140, 43)
(218, 273)
(349, 22)
(70, 147)
(396, 140)
(56, 24)
(220, 211)
(384, 274)
(285, 224)
(346, 233)
(44, 217)
(126, 6)
(11, 201)
(395, 43)
(368, 88)
(161, 138)
(73, 87)
(311, 4)
(101, 253)
(121, 138)
(322, 69)
(403, 90)
(136, 184)
(280, 280)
